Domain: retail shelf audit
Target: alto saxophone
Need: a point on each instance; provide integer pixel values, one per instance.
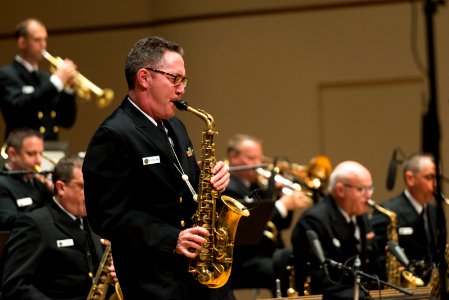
(102, 279)
(392, 264)
(212, 266)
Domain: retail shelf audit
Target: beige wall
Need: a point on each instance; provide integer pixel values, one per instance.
(307, 77)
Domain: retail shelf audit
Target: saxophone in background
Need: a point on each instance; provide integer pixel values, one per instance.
(102, 279)
(392, 263)
(212, 266)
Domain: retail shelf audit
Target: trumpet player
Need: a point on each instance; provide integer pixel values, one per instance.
(20, 190)
(416, 215)
(253, 265)
(30, 97)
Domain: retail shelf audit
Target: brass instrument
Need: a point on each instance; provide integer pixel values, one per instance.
(102, 279)
(291, 291)
(392, 264)
(315, 174)
(44, 177)
(212, 266)
(288, 185)
(85, 89)
(312, 178)
(434, 282)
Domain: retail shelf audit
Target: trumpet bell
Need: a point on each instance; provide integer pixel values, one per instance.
(315, 175)
(319, 171)
(85, 89)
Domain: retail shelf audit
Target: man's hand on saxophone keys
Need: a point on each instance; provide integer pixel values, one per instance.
(112, 273)
(191, 241)
(221, 177)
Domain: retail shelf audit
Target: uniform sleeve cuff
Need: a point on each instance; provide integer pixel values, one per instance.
(281, 209)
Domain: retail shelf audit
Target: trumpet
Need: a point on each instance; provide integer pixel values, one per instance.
(85, 89)
(288, 185)
(311, 179)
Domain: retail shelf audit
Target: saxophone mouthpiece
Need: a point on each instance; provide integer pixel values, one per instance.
(371, 202)
(181, 105)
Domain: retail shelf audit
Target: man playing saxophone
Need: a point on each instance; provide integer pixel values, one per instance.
(416, 216)
(141, 173)
(30, 97)
(340, 223)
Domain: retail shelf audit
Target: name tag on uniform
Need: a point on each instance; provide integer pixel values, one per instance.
(24, 202)
(151, 160)
(65, 243)
(27, 89)
(405, 230)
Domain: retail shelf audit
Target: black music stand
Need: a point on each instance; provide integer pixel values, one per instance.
(250, 229)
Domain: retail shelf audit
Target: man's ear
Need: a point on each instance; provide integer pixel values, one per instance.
(21, 42)
(143, 78)
(59, 186)
(409, 177)
(11, 152)
(339, 189)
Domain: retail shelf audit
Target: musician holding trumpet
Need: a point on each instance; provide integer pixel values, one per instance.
(30, 97)
(253, 265)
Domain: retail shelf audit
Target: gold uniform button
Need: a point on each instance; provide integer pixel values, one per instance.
(183, 223)
(180, 199)
(53, 114)
(40, 115)
(42, 129)
(55, 129)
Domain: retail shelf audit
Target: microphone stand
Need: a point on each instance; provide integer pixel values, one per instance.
(356, 278)
(358, 274)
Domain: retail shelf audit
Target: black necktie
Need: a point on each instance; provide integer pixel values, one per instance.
(164, 129)
(79, 222)
(425, 222)
(35, 77)
(161, 127)
(352, 227)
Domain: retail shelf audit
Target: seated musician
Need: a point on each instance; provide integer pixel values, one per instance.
(52, 252)
(253, 265)
(416, 216)
(340, 223)
(22, 192)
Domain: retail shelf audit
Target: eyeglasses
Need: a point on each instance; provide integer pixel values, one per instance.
(360, 189)
(78, 184)
(177, 79)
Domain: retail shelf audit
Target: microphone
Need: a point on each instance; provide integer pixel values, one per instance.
(316, 245)
(398, 253)
(391, 176)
